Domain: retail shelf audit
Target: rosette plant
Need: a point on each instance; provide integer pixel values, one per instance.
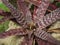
(33, 24)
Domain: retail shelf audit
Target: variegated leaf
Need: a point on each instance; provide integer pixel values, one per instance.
(22, 7)
(11, 32)
(48, 19)
(46, 36)
(16, 13)
(40, 11)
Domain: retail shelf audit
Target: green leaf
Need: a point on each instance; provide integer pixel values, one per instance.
(1, 28)
(58, 4)
(3, 7)
(4, 26)
(1, 17)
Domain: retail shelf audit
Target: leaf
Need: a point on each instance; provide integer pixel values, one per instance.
(1, 28)
(3, 7)
(4, 26)
(58, 4)
(1, 17)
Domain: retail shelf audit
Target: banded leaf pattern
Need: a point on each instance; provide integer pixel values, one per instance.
(23, 16)
(13, 32)
(42, 42)
(45, 36)
(40, 11)
(48, 19)
(16, 14)
(23, 7)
